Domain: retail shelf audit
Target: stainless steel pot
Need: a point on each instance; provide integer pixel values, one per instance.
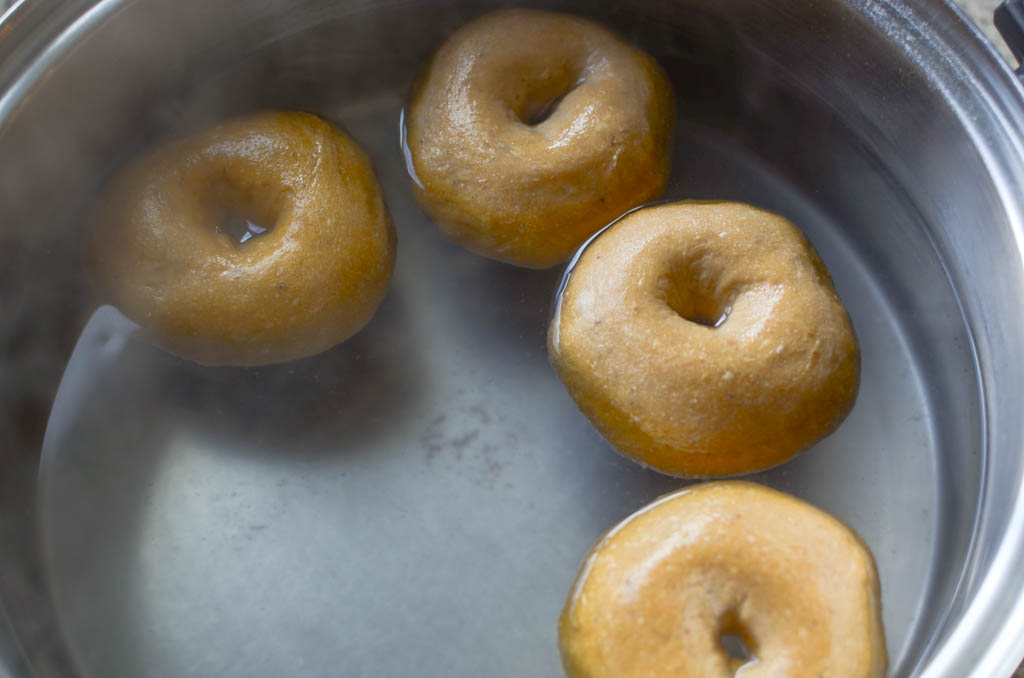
(416, 500)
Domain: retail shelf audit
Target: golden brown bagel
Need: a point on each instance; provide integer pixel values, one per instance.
(529, 193)
(159, 246)
(658, 592)
(634, 340)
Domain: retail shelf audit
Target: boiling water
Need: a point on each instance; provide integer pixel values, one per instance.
(417, 500)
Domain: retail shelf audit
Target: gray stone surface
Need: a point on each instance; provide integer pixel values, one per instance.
(981, 12)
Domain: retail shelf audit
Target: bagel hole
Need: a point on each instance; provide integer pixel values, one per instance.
(240, 230)
(242, 216)
(735, 647)
(537, 112)
(692, 293)
(735, 641)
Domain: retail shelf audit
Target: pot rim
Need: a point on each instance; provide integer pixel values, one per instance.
(956, 48)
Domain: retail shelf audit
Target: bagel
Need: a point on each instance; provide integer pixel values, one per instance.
(656, 596)
(528, 131)
(705, 339)
(164, 244)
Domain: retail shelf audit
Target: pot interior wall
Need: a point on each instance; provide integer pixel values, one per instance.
(804, 109)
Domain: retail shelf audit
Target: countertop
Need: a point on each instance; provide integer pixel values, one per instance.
(981, 12)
